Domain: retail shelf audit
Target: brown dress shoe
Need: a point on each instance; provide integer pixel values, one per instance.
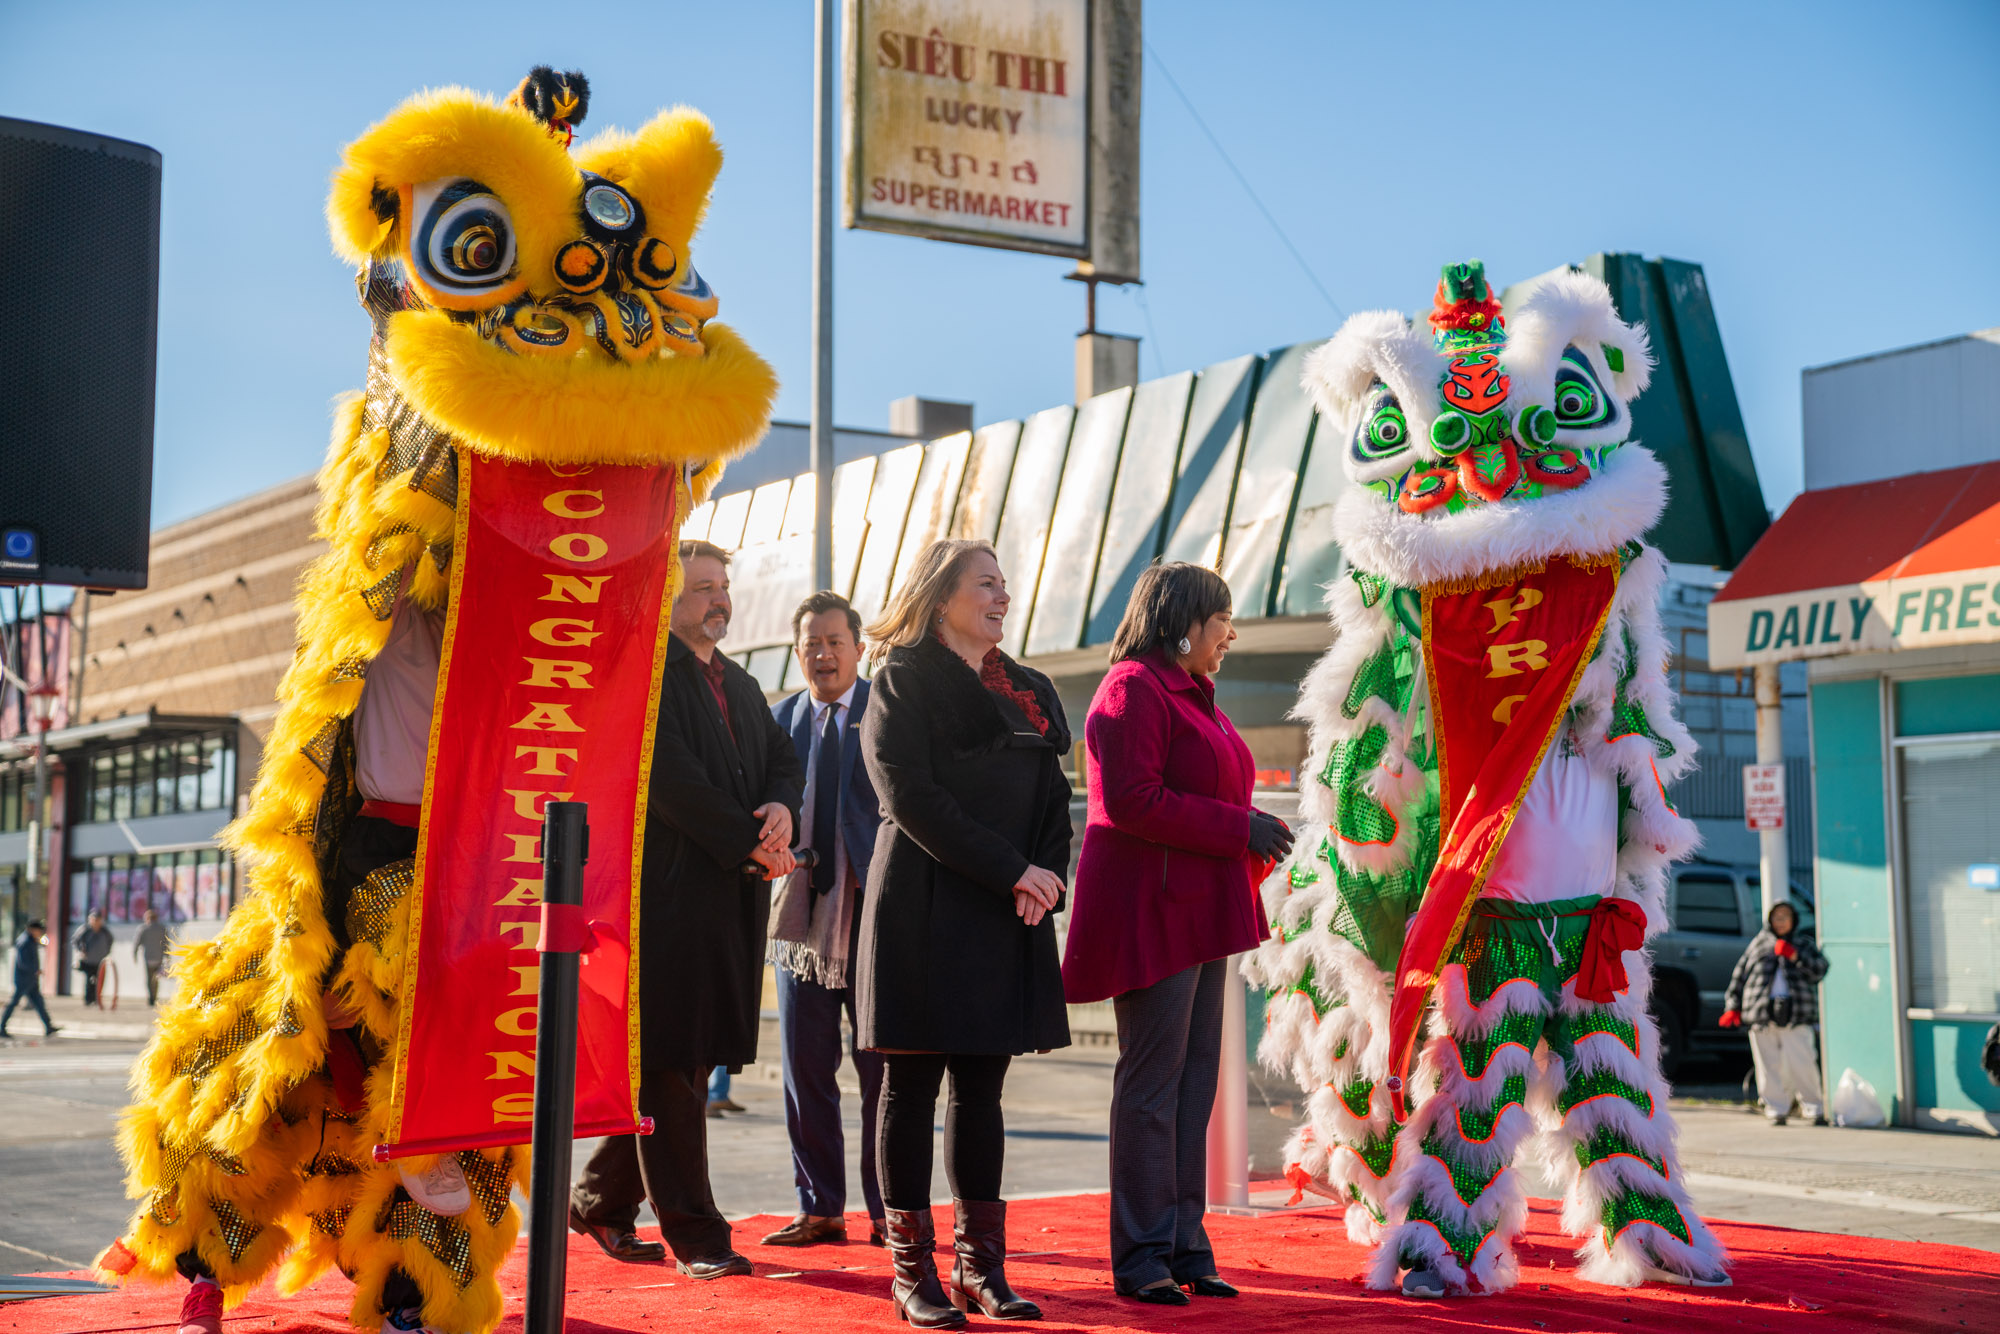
(618, 1243)
(808, 1231)
(724, 1265)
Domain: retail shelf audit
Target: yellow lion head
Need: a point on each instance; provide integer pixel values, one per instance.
(538, 302)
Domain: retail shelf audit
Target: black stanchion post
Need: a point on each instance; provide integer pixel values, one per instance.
(565, 848)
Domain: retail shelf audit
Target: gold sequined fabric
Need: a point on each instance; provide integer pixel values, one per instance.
(333, 1221)
(354, 668)
(237, 1231)
(416, 445)
(377, 548)
(165, 1204)
(229, 1163)
(288, 1016)
(491, 1180)
(445, 1238)
(441, 555)
(381, 595)
(211, 996)
(324, 742)
(372, 905)
(201, 1060)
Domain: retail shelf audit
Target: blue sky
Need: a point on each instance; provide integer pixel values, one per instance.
(1832, 165)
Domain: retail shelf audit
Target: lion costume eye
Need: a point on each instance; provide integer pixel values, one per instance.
(1580, 402)
(1383, 431)
(464, 240)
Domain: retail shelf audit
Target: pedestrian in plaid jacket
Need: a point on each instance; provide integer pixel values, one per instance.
(1774, 992)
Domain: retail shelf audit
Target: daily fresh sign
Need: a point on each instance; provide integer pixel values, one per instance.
(970, 122)
(1876, 616)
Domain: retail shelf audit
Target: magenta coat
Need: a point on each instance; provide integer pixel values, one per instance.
(1166, 880)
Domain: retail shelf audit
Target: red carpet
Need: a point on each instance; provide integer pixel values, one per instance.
(1296, 1269)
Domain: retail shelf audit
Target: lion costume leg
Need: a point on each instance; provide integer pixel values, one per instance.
(1611, 1141)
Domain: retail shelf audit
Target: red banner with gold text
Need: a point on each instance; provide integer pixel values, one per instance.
(547, 691)
(1502, 664)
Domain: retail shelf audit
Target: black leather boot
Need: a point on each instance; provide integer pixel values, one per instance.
(979, 1276)
(916, 1291)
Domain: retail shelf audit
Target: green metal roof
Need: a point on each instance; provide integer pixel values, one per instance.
(1223, 466)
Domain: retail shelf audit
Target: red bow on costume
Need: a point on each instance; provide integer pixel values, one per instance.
(1616, 925)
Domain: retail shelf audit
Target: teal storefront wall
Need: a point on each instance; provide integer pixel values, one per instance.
(1945, 1069)
(1856, 893)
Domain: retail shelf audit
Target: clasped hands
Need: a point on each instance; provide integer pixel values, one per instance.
(774, 843)
(1035, 894)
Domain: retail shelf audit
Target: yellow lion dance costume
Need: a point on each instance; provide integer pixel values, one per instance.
(529, 303)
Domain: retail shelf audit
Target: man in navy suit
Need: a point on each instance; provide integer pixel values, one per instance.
(816, 921)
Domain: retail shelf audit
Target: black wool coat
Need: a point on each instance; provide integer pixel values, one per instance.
(702, 919)
(971, 794)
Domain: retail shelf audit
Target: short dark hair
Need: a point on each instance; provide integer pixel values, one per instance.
(1169, 600)
(694, 546)
(36, 924)
(823, 601)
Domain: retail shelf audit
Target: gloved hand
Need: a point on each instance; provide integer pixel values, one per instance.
(1731, 1019)
(1270, 838)
(1784, 949)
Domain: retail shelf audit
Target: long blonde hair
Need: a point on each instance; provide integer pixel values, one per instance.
(914, 606)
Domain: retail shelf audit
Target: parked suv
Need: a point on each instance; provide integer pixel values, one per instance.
(1714, 909)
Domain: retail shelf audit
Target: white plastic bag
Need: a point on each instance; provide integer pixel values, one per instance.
(1855, 1103)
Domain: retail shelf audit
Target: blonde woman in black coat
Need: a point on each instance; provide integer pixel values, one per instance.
(958, 971)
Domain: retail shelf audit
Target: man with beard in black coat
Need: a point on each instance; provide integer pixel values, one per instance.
(724, 801)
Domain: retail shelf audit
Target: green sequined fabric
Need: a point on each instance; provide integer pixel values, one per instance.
(1475, 1125)
(1464, 1244)
(1518, 1028)
(1602, 1084)
(1605, 1142)
(1631, 1206)
(1467, 1182)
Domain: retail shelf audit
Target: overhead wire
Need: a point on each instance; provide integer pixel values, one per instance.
(1243, 181)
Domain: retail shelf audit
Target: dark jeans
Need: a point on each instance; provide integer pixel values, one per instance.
(809, 1048)
(90, 981)
(975, 1144)
(33, 995)
(1169, 1052)
(668, 1167)
(153, 981)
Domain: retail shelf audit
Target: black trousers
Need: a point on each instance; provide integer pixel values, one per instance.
(1162, 1091)
(975, 1145)
(668, 1167)
(32, 993)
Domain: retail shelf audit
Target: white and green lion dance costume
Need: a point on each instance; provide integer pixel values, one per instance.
(1456, 969)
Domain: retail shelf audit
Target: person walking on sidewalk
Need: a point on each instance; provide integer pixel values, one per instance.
(1166, 891)
(28, 977)
(92, 943)
(958, 969)
(817, 921)
(1774, 992)
(150, 948)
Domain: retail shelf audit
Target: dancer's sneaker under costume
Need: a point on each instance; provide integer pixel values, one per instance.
(1456, 968)
(531, 304)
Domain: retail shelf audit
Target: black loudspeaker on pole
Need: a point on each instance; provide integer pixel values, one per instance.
(565, 848)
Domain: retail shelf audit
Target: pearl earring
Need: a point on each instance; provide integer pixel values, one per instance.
(1186, 647)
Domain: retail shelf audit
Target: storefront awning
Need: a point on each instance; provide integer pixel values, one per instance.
(1910, 562)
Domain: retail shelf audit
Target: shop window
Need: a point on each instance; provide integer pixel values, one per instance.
(1951, 852)
(100, 787)
(187, 779)
(1706, 903)
(122, 762)
(214, 793)
(13, 800)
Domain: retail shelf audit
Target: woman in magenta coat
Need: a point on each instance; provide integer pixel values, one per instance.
(1166, 891)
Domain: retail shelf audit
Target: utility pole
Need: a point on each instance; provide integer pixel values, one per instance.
(1774, 859)
(821, 430)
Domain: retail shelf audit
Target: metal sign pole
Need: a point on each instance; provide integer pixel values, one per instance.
(565, 848)
(821, 443)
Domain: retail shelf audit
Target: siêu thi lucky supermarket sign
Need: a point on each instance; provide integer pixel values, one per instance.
(1876, 616)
